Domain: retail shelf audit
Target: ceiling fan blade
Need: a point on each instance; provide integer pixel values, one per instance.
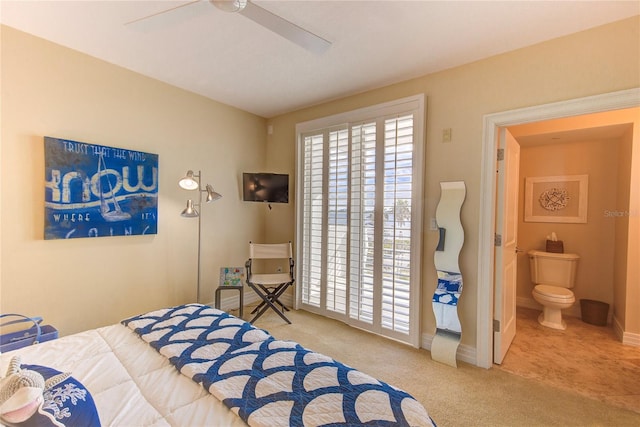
(286, 29)
(166, 11)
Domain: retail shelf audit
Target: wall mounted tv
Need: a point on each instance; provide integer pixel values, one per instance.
(265, 187)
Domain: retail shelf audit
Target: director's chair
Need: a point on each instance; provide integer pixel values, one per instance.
(269, 286)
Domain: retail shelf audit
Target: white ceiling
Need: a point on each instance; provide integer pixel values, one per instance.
(612, 132)
(231, 59)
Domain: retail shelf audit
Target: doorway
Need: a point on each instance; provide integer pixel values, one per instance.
(596, 150)
(493, 123)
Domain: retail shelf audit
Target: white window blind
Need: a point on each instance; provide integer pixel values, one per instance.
(310, 265)
(396, 258)
(337, 193)
(359, 221)
(363, 203)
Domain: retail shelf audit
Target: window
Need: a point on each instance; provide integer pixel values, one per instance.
(359, 213)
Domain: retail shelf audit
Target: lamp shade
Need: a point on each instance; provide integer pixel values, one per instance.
(211, 194)
(188, 182)
(190, 211)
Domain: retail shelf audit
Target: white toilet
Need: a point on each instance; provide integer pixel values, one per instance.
(553, 274)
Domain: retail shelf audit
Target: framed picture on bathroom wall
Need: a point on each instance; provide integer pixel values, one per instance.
(556, 199)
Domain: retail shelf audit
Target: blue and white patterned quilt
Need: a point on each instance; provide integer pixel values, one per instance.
(269, 382)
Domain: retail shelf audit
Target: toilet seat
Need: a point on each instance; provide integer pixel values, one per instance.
(554, 293)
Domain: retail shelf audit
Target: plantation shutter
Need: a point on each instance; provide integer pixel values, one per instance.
(310, 264)
(363, 203)
(396, 252)
(359, 232)
(337, 231)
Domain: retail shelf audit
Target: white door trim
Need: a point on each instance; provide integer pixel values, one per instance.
(492, 122)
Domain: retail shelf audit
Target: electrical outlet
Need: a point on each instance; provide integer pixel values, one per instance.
(434, 224)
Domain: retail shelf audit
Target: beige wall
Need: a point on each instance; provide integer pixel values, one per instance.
(48, 90)
(631, 324)
(601, 60)
(622, 235)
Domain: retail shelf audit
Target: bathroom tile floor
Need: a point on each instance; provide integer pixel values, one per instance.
(584, 358)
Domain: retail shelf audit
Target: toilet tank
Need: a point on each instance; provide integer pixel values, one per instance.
(548, 268)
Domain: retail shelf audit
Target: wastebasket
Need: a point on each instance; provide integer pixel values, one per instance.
(594, 312)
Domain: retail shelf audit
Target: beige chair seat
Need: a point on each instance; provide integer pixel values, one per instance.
(271, 279)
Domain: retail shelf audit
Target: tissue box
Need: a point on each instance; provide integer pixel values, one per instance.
(555, 246)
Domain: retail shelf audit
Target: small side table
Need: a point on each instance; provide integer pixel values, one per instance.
(240, 290)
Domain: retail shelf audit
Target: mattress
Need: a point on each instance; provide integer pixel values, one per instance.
(131, 384)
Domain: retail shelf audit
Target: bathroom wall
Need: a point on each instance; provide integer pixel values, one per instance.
(620, 216)
(594, 241)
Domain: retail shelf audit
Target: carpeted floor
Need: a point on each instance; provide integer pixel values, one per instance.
(584, 358)
(463, 396)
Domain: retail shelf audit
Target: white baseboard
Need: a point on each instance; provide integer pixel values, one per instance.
(617, 329)
(627, 338)
(631, 339)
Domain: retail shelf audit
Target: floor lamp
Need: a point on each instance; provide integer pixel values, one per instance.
(191, 181)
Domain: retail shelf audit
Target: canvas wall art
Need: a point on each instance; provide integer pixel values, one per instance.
(98, 191)
(556, 199)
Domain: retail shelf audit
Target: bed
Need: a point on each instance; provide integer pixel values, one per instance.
(192, 365)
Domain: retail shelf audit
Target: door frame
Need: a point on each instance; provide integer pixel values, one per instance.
(488, 190)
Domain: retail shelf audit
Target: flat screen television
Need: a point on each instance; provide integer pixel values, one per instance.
(265, 187)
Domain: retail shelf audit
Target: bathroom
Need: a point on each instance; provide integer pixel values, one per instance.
(599, 147)
(603, 153)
